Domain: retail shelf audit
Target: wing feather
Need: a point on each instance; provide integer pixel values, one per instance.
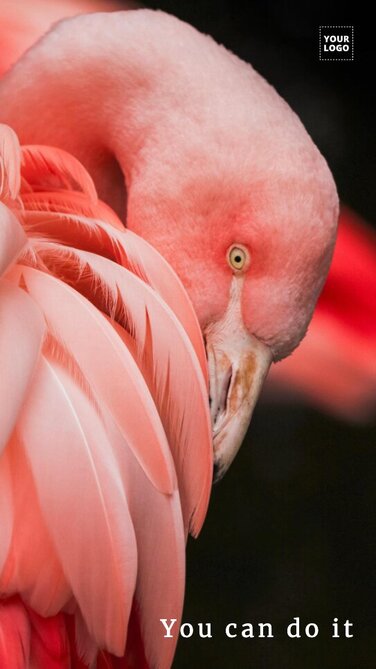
(68, 203)
(10, 158)
(44, 167)
(43, 589)
(160, 538)
(82, 500)
(19, 352)
(6, 508)
(14, 635)
(12, 238)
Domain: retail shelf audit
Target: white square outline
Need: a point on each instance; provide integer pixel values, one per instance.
(337, 59)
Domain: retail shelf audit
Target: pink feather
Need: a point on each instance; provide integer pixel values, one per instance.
(49, 644)
(44, 590)
(12, 238)
(6, 509)
(10, 177)
(14, 635)
(19, 353)
(160, 541)
(46, 168)
(83, 501)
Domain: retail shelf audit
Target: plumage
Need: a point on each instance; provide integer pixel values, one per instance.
(19, 351)
(160, 357)
(94, 539)
(9, 166)
(6, 508)
(12, 238)
(44, 590)
(15, 634)
(51, 169)
(73, 441)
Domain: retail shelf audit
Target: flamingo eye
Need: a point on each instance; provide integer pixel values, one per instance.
(238, 257)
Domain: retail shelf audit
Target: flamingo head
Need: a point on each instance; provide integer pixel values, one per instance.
(236, 196)
(252, 248)
(233, 192)
(253, 259)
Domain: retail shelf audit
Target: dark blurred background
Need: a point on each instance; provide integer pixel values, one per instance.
(291, 529)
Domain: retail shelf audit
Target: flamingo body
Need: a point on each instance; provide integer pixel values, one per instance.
(80, 512)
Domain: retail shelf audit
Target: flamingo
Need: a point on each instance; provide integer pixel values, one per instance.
(215, 224)
(336, 341)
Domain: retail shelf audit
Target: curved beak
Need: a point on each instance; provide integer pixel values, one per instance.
(238, 364)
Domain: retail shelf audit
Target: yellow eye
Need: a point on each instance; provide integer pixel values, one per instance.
(238, 257)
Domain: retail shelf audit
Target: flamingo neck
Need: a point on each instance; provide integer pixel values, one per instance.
(91, 87)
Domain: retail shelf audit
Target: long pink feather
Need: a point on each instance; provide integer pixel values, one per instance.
(46, 168)
(83, 501)
(14, 635)
(19, 352)
(6, 508)
(10, 177)
(68, 202)
(160, 540)
(49, 644)
(44, 590)
(12, 238)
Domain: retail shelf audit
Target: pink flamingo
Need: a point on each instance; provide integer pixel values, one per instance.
(106, 436)
(337, 343)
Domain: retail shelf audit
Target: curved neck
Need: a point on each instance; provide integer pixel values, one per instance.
(91, 88)
(128, 95)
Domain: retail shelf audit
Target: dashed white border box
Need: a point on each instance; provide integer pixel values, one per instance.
(337, 59)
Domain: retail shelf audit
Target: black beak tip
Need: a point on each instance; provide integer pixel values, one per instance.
(218, 472)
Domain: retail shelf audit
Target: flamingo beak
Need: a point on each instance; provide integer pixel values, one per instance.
(238, 364)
